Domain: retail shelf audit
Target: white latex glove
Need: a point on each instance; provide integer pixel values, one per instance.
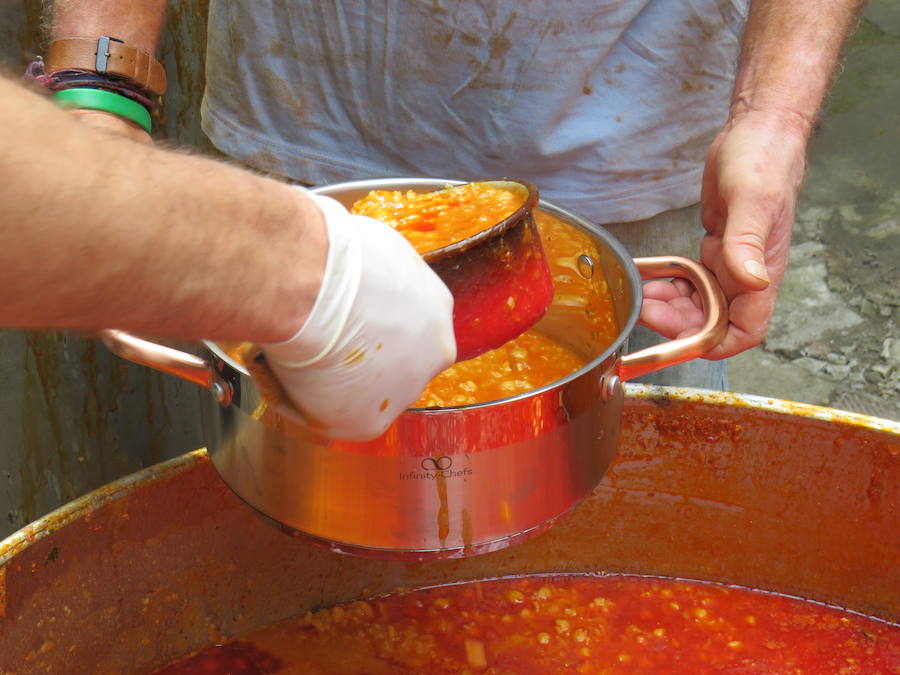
(380, 329)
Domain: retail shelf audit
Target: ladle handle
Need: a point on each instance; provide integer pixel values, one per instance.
(710, 334)
(166, 359)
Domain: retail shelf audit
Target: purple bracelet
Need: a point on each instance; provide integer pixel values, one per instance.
(73, 79)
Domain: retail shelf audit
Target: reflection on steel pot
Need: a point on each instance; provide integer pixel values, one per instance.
(790, 498)
(450, 481)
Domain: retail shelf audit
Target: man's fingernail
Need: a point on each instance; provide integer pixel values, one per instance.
(757, 270)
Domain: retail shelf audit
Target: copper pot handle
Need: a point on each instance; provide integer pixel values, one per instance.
(710, 334)
(167, 360)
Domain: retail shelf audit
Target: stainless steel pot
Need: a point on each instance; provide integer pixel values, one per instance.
(451, 481)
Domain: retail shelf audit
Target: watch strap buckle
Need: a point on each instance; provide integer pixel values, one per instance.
(102, 55)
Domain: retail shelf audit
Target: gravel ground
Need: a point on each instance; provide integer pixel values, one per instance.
(834, 339)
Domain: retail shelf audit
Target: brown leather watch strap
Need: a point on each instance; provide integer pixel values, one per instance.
(108, 56)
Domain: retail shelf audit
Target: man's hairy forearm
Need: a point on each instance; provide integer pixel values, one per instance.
(135, 23)
(100, 231)
(789, 55)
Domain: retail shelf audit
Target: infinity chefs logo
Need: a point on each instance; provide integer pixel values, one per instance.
(432, 467)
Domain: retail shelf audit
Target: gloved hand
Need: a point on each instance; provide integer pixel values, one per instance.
(380, 329)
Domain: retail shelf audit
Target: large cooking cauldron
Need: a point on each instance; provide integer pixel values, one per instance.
(451, 481)
(786, 497)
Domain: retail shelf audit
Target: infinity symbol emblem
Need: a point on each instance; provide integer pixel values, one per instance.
(441, 463)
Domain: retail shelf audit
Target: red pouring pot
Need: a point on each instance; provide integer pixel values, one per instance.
(500, 280)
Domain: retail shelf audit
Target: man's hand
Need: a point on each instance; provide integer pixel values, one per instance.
(755, 167)
(753, 174)
(112, 124)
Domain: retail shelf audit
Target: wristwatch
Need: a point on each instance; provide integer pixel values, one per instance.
(107, 56)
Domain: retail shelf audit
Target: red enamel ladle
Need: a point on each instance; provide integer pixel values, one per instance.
(499, 277)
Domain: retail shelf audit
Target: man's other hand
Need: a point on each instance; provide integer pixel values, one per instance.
(752, 177)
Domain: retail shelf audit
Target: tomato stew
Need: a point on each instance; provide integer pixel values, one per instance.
(432, 220)
(524, 363)
(567, 624)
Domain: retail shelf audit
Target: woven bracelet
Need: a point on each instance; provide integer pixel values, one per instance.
(72, 78)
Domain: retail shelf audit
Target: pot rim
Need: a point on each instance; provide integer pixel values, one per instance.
(621, 254)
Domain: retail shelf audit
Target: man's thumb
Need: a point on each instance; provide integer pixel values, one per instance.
(744, 247)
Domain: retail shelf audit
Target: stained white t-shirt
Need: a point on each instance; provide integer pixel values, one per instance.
(608, 106)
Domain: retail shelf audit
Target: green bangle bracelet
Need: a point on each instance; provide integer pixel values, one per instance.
(107, 101)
